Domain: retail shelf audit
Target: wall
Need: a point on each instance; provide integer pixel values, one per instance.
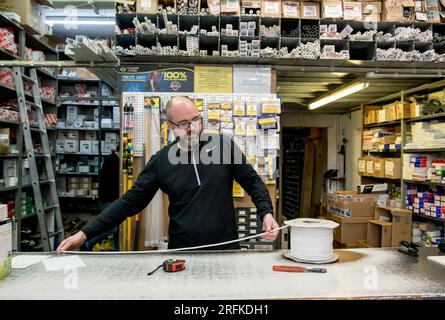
(351, 130)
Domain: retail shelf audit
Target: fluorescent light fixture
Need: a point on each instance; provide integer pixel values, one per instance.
(339, 94)
(374, 75)
(81, 22)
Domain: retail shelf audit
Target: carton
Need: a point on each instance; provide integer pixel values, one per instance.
(290, 9)
(392, 168)
(400, 220)
(351, 230)
(379, 234)
(332, 9)
(310, 10)
(271, 8)
(351, 204)
(5, 248)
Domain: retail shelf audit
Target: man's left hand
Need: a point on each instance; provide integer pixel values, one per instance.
(269, 224)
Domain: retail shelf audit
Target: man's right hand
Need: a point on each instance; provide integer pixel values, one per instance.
(72, 243)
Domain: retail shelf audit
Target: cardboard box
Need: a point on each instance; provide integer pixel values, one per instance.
(392, 113)
(351, 230)
(374, 7)
(351, 204)
(71, 146)
(379, 234)
(4, 140)
(30, 12)
(5, 248)
(392, 168)
(403, 110)
(362, 166)
(400, 220)
(392, 11)
(388, 139)
(352, 10)
(370, 167)
(370, 114)
(310, 10)
(3, 212)
(271, 8)
(111, 137)
(85, 146)
(379, 167)
(147, 6)
(290, 9)
(230, 7)
(60, 146)
(332, 9)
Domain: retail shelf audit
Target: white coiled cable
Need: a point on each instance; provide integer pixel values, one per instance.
(311, 239)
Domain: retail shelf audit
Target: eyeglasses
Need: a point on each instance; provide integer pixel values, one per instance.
(185, 124)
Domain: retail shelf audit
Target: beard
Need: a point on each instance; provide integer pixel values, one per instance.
(188, 142)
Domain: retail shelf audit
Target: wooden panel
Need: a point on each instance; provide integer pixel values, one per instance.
(308, 171)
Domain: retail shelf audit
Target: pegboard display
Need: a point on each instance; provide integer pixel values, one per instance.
(251, 120)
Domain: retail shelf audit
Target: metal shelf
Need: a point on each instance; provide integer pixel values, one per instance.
(46, 73)
(77, 197)
(5, 189)
(79, 104)
(77, 154)
(48, 102)
(9, 122)
(428, 117)
(428, 217)
(10, 155)
(424, 150)
(77, 173)
(35, 44)
(78, 129)
(65, 79)
(386, 179)
(425, 183)
(6, 53)
(382, 124)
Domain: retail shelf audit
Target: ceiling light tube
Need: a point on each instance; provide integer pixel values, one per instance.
(339, 94)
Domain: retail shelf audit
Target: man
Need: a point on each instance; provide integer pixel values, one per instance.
(200, 192)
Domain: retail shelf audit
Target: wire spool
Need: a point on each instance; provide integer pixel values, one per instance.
(311, 240)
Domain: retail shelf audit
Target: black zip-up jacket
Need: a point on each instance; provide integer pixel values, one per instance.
(200, 192)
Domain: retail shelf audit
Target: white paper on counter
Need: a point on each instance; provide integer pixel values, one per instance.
(63, 263)
(24, 261)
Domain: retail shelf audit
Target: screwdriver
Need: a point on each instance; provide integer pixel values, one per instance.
(298, 269)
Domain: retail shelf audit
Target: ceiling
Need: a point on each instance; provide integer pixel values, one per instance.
(298, 89)
(69, 10)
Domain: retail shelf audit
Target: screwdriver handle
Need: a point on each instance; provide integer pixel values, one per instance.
(289, 269)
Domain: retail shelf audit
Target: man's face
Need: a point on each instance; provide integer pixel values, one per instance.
(187, 123)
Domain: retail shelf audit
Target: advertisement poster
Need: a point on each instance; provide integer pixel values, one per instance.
(213, 79)
(160, 80)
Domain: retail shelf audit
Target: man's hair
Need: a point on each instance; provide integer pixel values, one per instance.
(168, 107)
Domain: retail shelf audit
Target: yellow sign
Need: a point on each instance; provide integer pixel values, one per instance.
(238, 192)
(213, 79)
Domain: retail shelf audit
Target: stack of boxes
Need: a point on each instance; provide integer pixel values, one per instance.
(391, 112)
(5, 242)
(430, 204)
(381, 139)
(427, 135)
(10, 173)
(81, 187)
(389, 227)
(422, 167)
(427, 234)
(7, 40)
(67, 165)
(75, 119)
(110, 143)
(249, 224)
(73, 141)
(379, 167)
(352, 211)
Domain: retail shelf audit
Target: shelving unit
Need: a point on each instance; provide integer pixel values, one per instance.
(293, 33)
(25, 40)
(404, 124)
(92, 108)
